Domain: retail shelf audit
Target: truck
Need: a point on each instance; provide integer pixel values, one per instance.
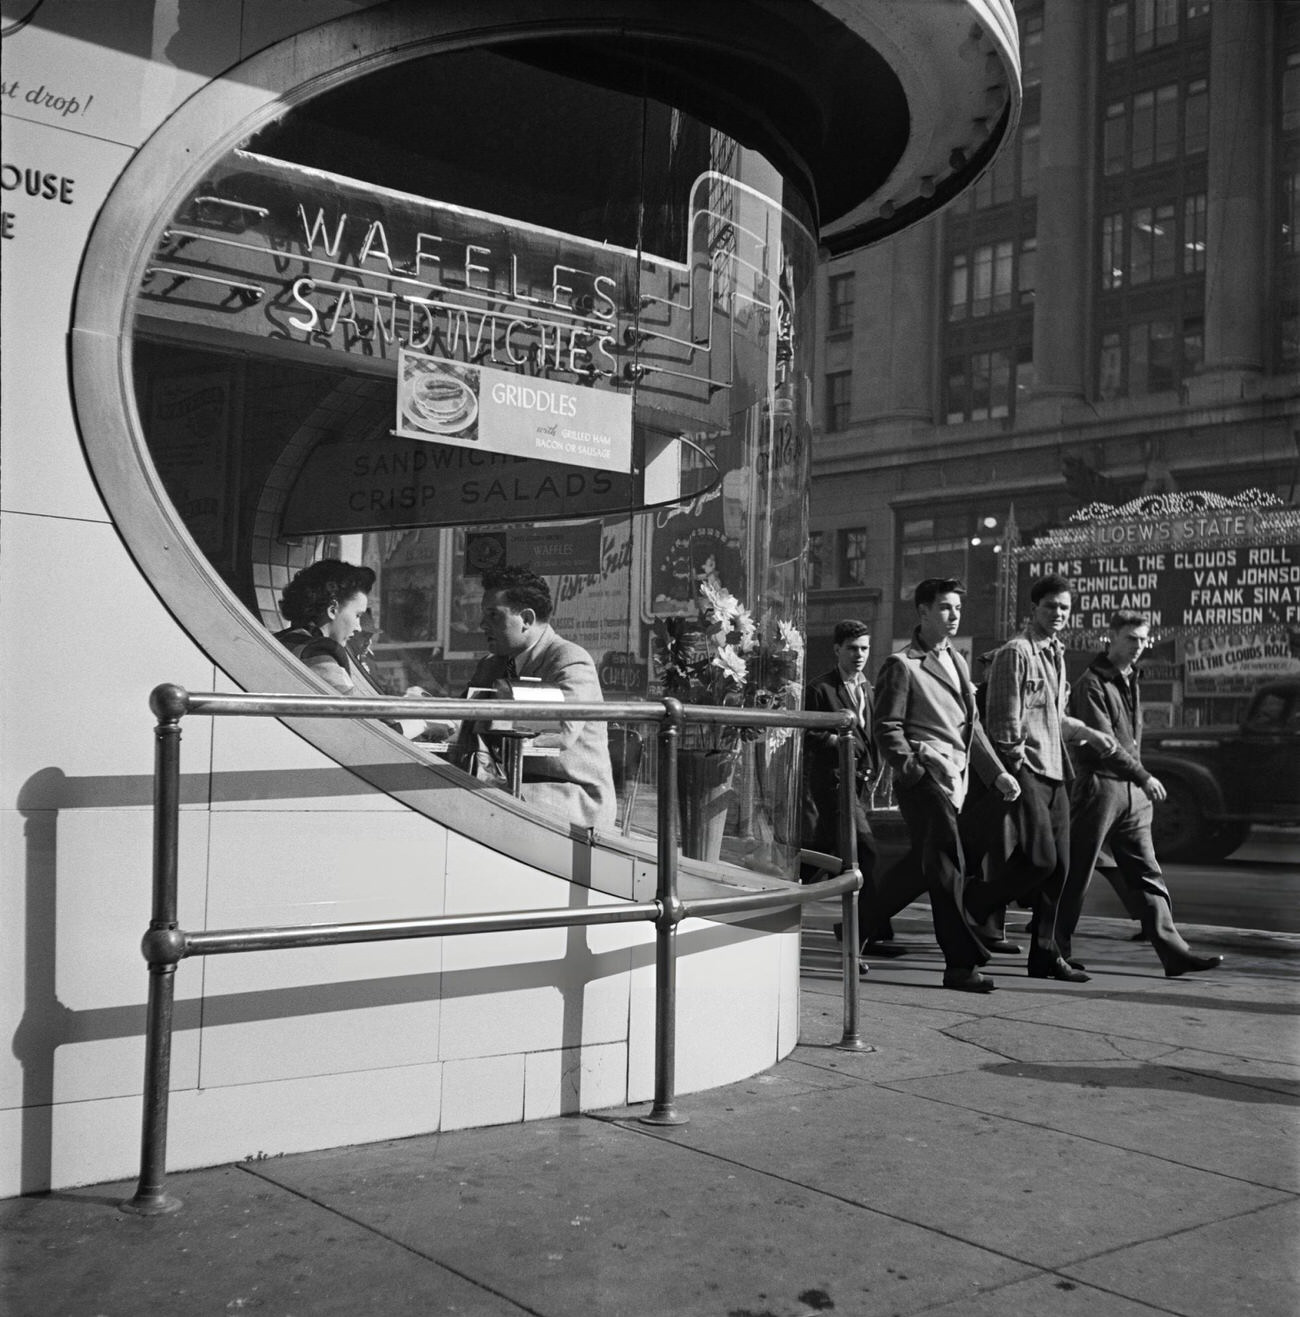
(1222, 780)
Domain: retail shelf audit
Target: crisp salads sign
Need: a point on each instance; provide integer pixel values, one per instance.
(498, 411)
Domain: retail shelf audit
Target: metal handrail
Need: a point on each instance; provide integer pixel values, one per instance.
(166, 944)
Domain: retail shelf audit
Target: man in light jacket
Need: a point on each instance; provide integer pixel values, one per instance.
(577, 782)
(928, 729)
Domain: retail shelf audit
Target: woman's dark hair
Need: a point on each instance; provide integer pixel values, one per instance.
(521, 589)
(306, 599)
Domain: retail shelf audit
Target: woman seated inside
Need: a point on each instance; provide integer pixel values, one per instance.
(324, 604)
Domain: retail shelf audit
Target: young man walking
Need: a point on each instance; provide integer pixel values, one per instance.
(1112, 801)
(928, 729)
(1028, 724)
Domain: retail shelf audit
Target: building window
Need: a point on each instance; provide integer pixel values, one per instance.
(1144, 129)
(1114, 147)
(1031, 50)
(1155, 23)
(1024, 381)
(853, 557)
(1112, 251)
(1196, 117)
(958, 287)
(1193, 346)
(981, 387)
(1289, 345)
(1029, 138)
(1116, 30)
(1167, 122)
(955, 400)
(1194, 234)
(1151, 363)
(1028, 272)
(816, 547)
(839, 387)
(1164, 243)
(1290, 214)
(1140, 242)
(1110, 371)
(1291, 93)
(841, 303)
(991, 279)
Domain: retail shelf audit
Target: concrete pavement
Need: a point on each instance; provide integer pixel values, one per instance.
(1126, 1146)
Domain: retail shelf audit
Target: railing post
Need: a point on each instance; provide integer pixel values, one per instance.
(852, 1040)
(162, 948)
(664, 1111)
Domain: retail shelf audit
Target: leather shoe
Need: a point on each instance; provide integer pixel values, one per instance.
(967, 980)
(868, 947)
(1184, 962)
(1074, 964)
(1001, 946)
(1056, 968)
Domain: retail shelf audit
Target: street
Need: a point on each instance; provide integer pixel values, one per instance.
(1258, 886)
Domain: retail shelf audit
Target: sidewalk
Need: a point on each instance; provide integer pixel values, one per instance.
(1126, 1146)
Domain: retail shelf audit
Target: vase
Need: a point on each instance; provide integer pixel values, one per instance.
(703, 797)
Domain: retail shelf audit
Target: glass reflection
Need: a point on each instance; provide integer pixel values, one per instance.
(614, 253)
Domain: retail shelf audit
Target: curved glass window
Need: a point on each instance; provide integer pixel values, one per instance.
(617, 295)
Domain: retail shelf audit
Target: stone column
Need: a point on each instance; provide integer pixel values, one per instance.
(1236, 223)
(912, 347)
(1061, 319)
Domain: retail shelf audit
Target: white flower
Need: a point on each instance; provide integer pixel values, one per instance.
(731, 664)
(720, 601)
(748, 631)
(790, 637)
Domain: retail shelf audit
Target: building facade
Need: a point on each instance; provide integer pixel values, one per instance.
(1113, 311)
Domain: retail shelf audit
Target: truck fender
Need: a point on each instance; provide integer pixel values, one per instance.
(1201, 781)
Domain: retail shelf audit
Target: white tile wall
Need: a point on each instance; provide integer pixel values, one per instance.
(487, 1090)
(575, 1079)
(75, 982)
(322, 1010)
(100, 640)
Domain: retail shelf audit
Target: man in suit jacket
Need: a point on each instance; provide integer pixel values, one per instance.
(845, 686)
(577, 783)
(929, 731)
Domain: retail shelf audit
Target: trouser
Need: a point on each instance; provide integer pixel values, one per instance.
(825, 836)
(983, 825)
(1034, 871)
(1107, 812)
(934, 863)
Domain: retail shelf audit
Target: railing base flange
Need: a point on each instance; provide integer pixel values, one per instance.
(669, 1117)
(151, 1205)
(853, 1045)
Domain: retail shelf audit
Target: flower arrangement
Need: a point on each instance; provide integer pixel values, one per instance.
(723, 656)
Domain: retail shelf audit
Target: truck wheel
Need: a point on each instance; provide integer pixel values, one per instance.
(1179, 829)
(1225, 839)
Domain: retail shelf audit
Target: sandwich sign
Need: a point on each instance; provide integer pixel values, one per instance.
(496, 411)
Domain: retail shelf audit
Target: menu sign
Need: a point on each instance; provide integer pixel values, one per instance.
(497, 411)
(346, 486)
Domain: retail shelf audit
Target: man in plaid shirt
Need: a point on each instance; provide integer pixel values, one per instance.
(1028, 724)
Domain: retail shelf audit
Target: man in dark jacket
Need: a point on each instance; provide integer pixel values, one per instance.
(845, 686)
(1112, 800)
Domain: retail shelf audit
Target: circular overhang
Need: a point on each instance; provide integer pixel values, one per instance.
(884, 112)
